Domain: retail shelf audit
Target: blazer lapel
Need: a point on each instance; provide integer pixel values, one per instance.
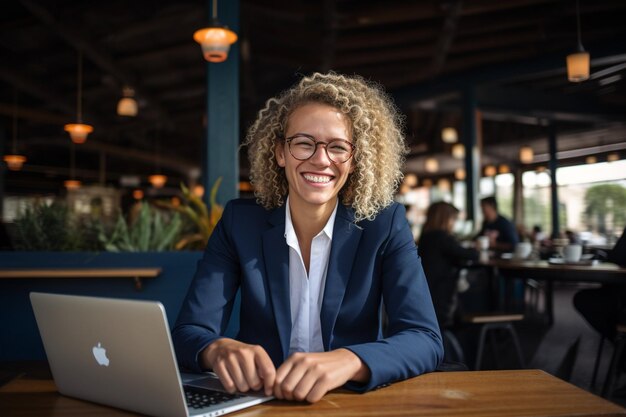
(346, 236)
(276, 256)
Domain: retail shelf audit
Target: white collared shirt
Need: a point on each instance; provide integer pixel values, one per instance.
(307, 292)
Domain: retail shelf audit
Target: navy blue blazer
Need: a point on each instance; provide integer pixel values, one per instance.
(370, 262)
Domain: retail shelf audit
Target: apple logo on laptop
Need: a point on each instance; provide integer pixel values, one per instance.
(100, 354)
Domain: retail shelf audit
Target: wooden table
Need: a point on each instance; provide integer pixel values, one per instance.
(480, 394)
(604, 272)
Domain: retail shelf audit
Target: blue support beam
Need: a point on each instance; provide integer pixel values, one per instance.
(222, 141)
(472, 154)
(554, 191)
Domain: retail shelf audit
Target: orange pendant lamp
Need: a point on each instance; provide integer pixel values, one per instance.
(78, 131)
(215, 39)
(13, 160)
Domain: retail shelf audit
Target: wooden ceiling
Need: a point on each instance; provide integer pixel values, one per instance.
(426, 53)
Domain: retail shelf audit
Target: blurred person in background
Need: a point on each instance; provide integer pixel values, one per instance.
(501, 232)
(442, 258)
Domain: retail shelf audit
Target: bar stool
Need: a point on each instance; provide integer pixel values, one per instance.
(613, 371)
(494, 321)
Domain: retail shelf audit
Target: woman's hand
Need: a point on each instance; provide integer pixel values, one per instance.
(308, 376)
(240, 366)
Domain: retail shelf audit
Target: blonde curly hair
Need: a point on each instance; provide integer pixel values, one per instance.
(376, 127)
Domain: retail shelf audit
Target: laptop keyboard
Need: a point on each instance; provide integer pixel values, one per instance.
(201, 397)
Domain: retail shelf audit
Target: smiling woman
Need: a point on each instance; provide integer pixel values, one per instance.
(315, 256)
(375, 128)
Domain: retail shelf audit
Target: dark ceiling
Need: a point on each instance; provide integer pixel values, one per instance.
(427, 54)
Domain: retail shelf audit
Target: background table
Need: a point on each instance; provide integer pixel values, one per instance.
(604, 272)
(480, 394)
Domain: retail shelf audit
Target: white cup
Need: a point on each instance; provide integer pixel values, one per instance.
(523, 250)
(483, 242)
(572, 253)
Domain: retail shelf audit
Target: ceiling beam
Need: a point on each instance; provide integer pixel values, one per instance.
(520, 70)
(172, 162)
(95, 54)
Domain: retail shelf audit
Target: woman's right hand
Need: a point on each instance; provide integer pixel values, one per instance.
(240, 366)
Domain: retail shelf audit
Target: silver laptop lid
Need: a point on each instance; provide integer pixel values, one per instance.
(115, 352)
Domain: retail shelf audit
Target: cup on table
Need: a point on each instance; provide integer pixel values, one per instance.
(572, 253)
(523, 250)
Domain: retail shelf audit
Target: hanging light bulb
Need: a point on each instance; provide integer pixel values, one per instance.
(14, 161)
(157, 180)
(410, 180)
(127, 106)
(449, 135)
(443, 184)
(578, 62)
(431, 165)
(78, 131)
(137, 194)
(526, 154)
(490, 171)
(458, 151)
(198, 190)
(72, 184)
(215, 39)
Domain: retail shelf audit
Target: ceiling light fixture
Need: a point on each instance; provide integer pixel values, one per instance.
(578, 62)
(14, 160)
(504, 169)
(410, 180)
(458, 151)
(78, 131)
(443, 184)
(526, 154)
(449, 135)
(157, 180)
(127, 106)
(215, 39)
(431, 165)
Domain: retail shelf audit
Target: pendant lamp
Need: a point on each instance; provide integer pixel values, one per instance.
(578, 62)
(215, 39)
(127, 106)
(78, 131)
(13, 160)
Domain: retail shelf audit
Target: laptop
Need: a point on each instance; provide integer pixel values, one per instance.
(119, 353)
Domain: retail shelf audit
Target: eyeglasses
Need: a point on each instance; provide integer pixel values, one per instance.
(302, 147)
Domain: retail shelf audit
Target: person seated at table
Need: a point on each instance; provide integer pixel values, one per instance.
(501, 232)
(603, 308)
(315, 256)
(442, 256)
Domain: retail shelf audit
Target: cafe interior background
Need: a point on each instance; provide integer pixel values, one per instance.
(491, 108)
(508, 59)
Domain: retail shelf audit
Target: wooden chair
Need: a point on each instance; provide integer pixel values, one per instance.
(490, 322)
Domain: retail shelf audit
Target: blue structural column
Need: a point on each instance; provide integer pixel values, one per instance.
(554, 191)
(222, 141)
(472, 155)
